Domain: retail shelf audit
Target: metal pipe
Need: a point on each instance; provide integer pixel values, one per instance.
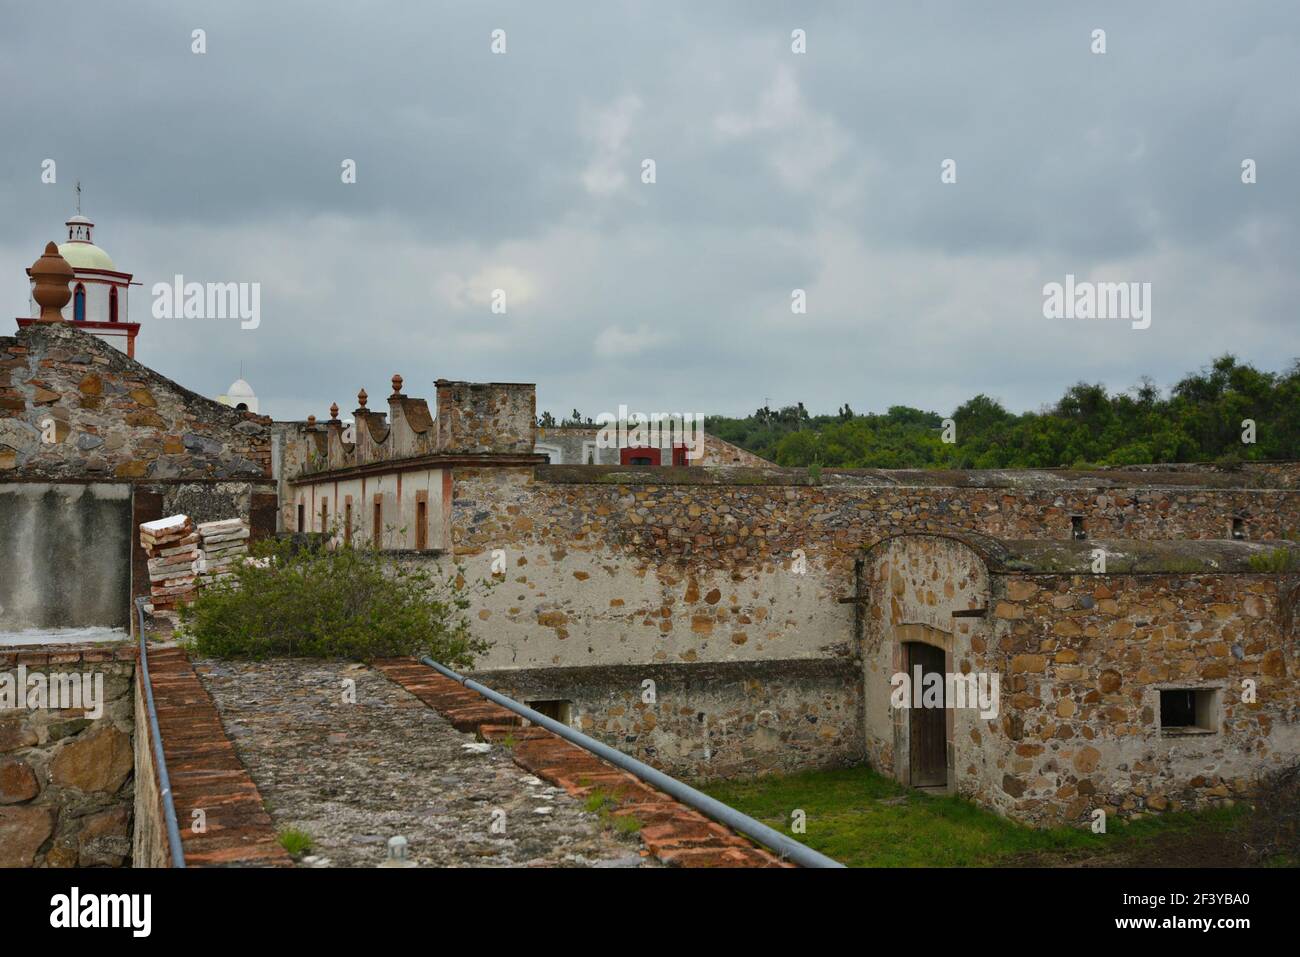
(160, 762)
(786, 847)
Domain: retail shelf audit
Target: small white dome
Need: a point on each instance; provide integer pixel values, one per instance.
(239, 389)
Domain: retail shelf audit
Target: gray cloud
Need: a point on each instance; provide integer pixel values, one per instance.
(775, 172)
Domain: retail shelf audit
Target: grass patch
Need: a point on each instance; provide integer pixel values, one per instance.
(864, 819)
(603, 803)
(294, 841)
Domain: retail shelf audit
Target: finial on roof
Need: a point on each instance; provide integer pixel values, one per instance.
(51, 274)
(361, 398)
(334, 410)
(311, 420)
(397, 385)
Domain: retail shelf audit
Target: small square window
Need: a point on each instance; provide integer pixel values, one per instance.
(1189, 710)
(1076, 527)
(561, 711)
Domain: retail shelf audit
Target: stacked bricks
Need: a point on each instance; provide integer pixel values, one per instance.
(172, 545)
(224, 543)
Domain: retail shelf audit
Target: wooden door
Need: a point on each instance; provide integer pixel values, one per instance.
(927, 726)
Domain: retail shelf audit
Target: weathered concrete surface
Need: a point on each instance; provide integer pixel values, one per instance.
(66, 554)
(354, 775)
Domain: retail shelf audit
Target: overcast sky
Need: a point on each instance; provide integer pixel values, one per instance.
(775, 171)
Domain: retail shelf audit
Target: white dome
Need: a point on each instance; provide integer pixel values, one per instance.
(239, 389)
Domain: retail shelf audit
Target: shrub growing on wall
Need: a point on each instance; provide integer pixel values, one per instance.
(339, 602)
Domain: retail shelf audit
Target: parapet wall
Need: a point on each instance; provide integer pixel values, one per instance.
(471, 419)
(600, 573)
(483, 417)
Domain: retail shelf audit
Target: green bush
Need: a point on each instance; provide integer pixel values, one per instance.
(339, 602)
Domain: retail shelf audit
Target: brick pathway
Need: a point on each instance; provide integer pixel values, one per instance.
(673, 832)
(206, 773)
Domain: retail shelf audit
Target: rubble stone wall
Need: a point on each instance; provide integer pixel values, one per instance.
(708, 720)
(1081, 662)
(600, 573)
(66, 777)
(1086, 659)
(72, 406)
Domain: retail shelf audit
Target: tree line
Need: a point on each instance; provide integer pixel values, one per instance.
(1199, 419)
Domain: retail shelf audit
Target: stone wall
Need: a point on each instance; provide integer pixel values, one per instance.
(616, 567)
(721, 452)
(640, 571)
(1086, 659)
(66, 781)
(72, 406)
(708, 720)
(913, 586)
(481, 417)
(1081, 660)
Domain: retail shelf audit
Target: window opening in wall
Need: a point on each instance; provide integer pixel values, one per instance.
(556, 710)
(1238, 528)
(1189, 710)
(302, 517)
(377, 524)
(1076, 527)
(347, 524)
(421, 525)
(643, 455)
(324, 517)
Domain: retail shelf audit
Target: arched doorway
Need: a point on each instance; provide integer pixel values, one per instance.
(923, 631)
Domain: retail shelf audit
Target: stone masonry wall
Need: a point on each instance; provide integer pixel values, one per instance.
(112, 418)
(479, 417)
(913, 585)
(1081, 661)
(66, 781)
(605, 573)
(708, 720)
(1086, 657)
